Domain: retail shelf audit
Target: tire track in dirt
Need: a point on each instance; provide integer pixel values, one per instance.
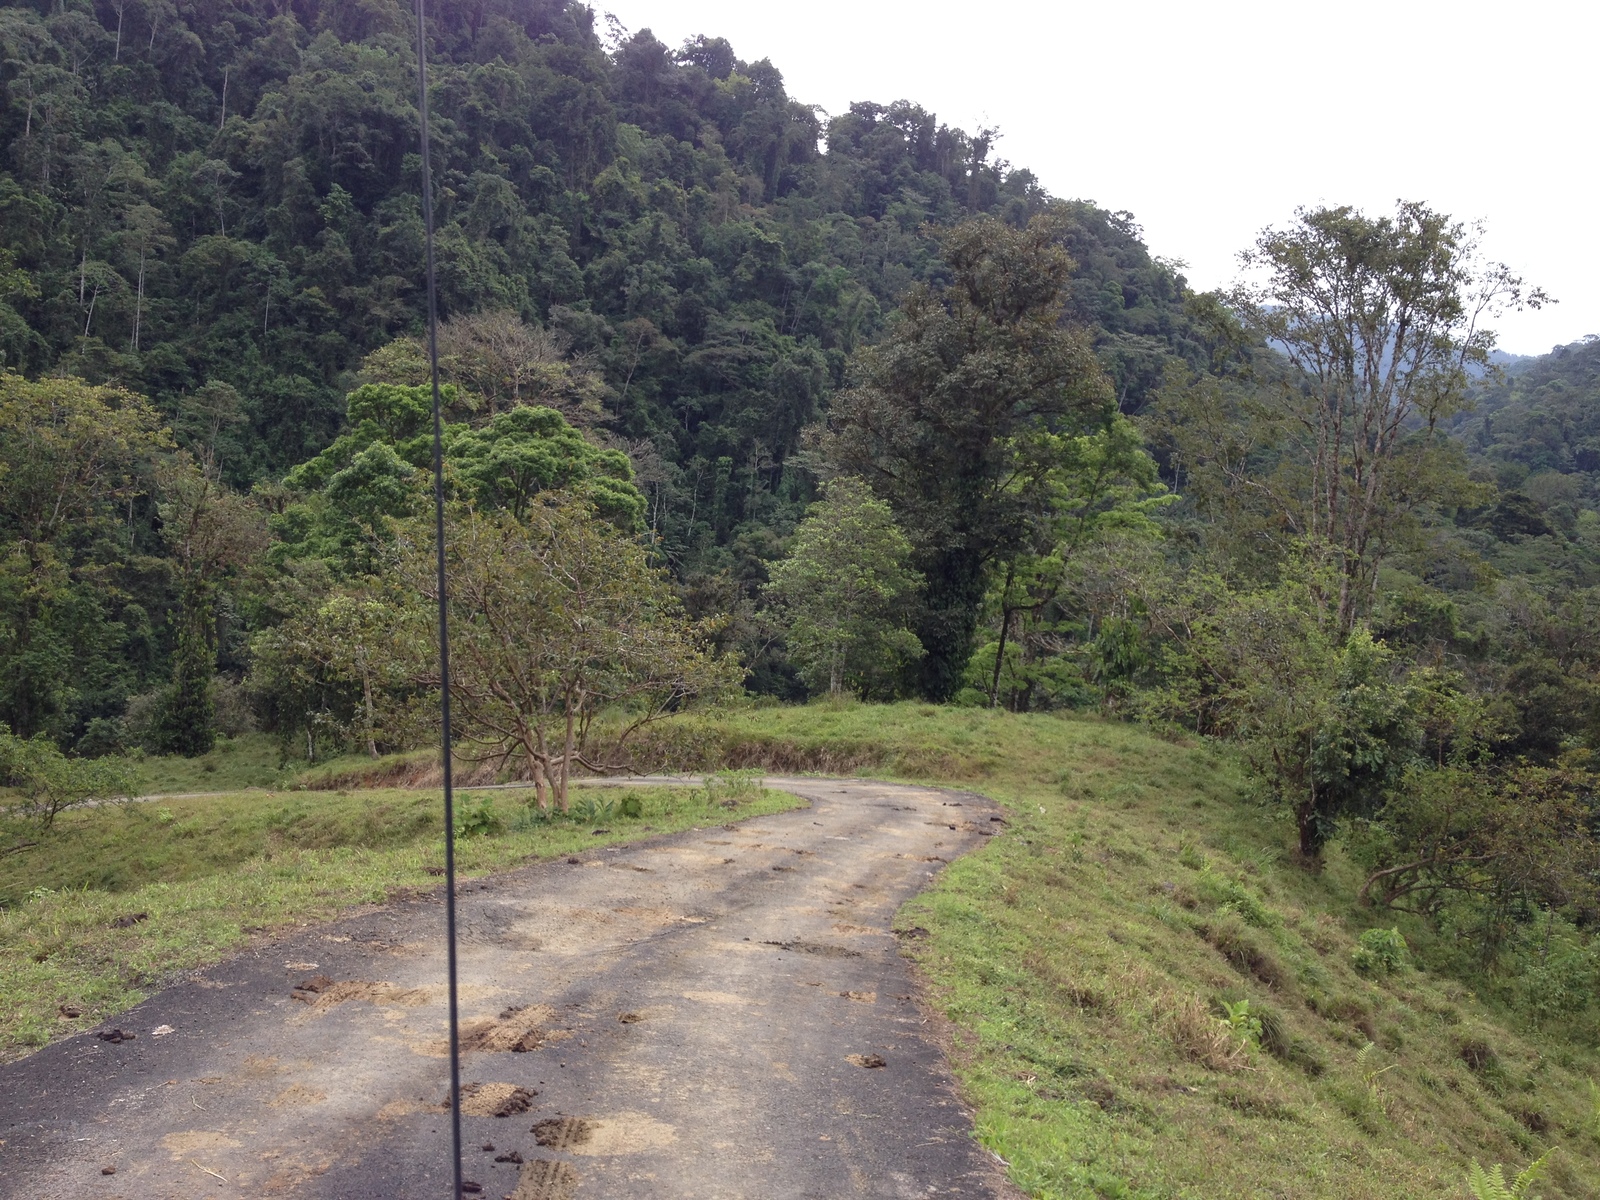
(721, 1013)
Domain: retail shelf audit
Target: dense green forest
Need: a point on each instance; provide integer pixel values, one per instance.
(215, 207)
(742, 398)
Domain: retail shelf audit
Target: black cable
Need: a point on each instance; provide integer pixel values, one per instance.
(444, 617)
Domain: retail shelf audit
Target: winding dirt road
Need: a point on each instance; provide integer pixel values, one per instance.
(702, 1015)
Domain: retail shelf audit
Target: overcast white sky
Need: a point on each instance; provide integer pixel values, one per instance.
(1208, 121)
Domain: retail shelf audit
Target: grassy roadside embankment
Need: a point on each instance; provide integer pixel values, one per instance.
(210, 873)
(1087, 958)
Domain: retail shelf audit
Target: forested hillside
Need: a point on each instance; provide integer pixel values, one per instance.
(228, 193)
(1537, 427)
(745, 399)
(215, 206)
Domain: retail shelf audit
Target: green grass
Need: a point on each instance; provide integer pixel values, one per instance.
(212, 872)
(1085, 958)
(251, 760)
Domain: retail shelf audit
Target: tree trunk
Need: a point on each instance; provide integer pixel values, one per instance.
(999, 656)
(138, 303)
(1311, 839)
(1005, 625)
(366, 699)
(566, 758)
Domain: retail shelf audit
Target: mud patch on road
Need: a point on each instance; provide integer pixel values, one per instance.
(190, 1141)
(322, 993)
(719, 998)
(494, 1100)
(518, 1030)
(542, 1179)
(625, 1133)
(396, 1109)
(297, 1095)
(262, 1066)
(820, 949)
(563, 1133)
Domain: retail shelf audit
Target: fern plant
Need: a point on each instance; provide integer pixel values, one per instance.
(1492, 1185)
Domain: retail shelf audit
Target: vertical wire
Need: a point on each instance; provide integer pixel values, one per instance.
(444, 620)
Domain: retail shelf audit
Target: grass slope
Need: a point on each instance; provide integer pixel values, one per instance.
(249, 761)
(1086, 958)
(210, 873)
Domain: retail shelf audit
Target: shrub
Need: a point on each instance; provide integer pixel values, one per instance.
(1380, 952)
(1558, 983)
(1244, 1024)
(1229, 895)
(47, 781)
(478, 819)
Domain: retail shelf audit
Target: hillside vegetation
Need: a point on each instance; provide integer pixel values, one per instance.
(744, 406)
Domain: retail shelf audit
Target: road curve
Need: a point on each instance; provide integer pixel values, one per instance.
(698, 1015)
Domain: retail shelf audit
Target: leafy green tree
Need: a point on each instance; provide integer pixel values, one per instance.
(555, 620)
(1375, 326)
(951, 419)
(525, 451)
(843, 593)
(76, 475)
(1100, 485)
(1327, 721)
(334, 667)
(186, 724)
(377, 473)
(212, 533)
(1514, 837)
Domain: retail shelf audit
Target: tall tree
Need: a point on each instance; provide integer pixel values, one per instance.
(948, 419)
(76, 466)
(211, 532)
(1375, 327)
(843, 591)
(1102, 485)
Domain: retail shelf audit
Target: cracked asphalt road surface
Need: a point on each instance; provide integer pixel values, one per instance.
(699, 1015)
